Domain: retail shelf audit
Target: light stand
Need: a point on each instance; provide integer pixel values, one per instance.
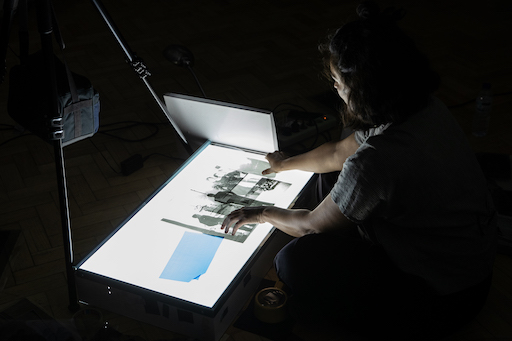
(56, 133)
(52, 118)
(182, 57)
(54, 123)
(139, 67)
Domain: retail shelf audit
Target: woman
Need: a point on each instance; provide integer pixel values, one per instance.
(405, 241)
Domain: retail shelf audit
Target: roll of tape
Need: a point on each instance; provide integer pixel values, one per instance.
(270, 305)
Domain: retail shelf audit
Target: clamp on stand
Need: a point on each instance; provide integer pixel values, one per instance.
(140, 68)
(56, 128)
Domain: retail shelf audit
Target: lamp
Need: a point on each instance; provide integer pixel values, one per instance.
(182, 57)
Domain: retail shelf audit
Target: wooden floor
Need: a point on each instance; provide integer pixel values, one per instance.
(255, 53)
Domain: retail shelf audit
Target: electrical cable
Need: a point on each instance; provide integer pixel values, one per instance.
(131, 125)
(127, 125)
(288, 104)
(160, 154)
(104, 158)
(316, 136)
(303, 110)
(13, 138)
(197, 80)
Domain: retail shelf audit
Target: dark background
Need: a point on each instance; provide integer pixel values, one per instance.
(255, 53)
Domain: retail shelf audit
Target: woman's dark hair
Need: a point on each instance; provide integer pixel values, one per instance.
(387, 76)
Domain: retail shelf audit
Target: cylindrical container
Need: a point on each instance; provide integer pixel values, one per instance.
(88, 322)
(483, 109)
(270, 305)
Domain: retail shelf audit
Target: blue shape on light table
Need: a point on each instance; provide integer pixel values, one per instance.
(192, 257)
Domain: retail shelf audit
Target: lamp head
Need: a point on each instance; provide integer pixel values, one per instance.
(179, 55)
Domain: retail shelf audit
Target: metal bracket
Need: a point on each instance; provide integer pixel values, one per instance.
(56, 128)
(139, 67)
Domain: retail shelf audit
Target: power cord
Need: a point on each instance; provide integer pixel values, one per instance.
(127, 166)
(131, 124)
(104, 158)
(136, 161)
(14, 138)
(297, 118)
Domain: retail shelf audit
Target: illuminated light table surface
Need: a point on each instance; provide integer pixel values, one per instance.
(170, 265)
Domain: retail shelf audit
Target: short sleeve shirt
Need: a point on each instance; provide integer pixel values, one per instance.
(417, 190)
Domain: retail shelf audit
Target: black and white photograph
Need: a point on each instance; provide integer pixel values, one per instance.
(208, 202)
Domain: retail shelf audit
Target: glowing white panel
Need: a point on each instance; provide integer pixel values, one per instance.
(223, 123)
(215, 181)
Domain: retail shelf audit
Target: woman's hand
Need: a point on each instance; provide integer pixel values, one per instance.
(275, 159)
(246, 215)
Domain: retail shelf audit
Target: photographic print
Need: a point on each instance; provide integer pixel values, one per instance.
(210, 199)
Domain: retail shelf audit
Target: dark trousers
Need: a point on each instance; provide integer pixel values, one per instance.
(352, 283)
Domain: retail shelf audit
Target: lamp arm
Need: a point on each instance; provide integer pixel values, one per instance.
(140, 68)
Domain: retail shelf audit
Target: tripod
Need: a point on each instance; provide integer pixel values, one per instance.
(54, 121)
(53, 118)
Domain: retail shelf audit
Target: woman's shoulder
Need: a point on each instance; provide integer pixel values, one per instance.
(362, 136)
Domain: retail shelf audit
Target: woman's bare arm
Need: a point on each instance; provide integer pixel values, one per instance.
(326, 158)
(327, 217)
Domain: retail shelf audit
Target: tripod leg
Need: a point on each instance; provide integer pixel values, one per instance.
(44, 19)
(66, 224)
